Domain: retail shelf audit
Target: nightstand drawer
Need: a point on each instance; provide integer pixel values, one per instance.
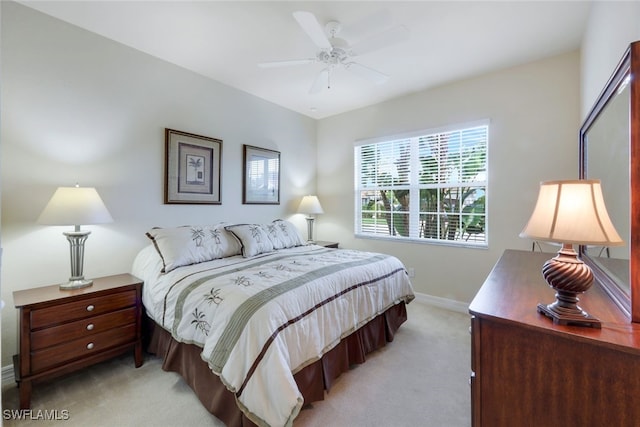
(81, 328)
(81, 309)
(83, 347)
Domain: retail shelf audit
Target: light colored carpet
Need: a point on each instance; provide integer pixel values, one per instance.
(420, 379)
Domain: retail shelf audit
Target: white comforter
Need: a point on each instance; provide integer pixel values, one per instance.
(262, 319)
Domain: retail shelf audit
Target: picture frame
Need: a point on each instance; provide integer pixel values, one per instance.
(192, 168)
(261, 178)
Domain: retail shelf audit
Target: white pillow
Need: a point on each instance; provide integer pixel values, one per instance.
(253, 238)
(283, 234)
(193, 244)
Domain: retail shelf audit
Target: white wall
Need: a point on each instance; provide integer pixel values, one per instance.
(611, 27)
(80, 108)
(534, 114)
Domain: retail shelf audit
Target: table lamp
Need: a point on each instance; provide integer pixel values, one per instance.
(570, 212)
(310, 205)
(75, 206)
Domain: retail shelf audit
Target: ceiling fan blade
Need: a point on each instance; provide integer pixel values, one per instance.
(286, 63)
(312, 27)
(368, 73)
(381, 40)
(321, 81)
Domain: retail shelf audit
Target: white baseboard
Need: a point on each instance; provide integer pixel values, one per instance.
(449, 304)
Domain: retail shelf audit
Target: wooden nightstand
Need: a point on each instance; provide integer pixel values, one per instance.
(63, 331)
(326, 244)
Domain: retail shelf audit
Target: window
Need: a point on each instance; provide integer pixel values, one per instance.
(427, 187)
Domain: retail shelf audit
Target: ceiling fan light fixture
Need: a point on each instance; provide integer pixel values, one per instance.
(336, 56)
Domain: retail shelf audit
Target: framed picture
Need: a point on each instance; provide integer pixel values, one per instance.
(261, 182)
(192, 168)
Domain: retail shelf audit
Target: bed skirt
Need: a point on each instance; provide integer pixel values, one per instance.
(312, 380)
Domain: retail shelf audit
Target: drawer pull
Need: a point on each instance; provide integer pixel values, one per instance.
(90, 307)
(90, 327)
(90, 346)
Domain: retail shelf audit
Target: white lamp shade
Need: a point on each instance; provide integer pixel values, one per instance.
(571, 212)
(75, 206)
(310, 205)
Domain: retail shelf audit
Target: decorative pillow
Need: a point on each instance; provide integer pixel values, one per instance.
(193, 244)
(252, 237)
(283, 234)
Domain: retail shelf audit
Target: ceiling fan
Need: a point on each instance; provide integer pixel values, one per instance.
(336, 52)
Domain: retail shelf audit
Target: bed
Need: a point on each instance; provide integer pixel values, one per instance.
(257, 321)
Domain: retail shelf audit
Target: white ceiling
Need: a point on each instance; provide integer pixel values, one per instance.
(224, 40)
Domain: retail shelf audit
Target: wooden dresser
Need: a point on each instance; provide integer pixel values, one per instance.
(64, 330)
(526, 371)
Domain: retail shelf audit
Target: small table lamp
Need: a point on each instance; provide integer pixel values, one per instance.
(75, 206)
(570, 212)
(310, 205)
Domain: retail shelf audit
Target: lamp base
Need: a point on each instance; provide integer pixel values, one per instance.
(310, 220)
(565, 317)
(569, 276)
(76, 284)
(76, 246)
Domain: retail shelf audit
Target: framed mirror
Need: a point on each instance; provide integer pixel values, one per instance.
(610, 151)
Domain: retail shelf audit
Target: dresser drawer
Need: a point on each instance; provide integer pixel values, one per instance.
(71, 311)
(82, 347)
(81, 328)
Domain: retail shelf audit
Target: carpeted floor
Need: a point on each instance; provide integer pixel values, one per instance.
(420, 379)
